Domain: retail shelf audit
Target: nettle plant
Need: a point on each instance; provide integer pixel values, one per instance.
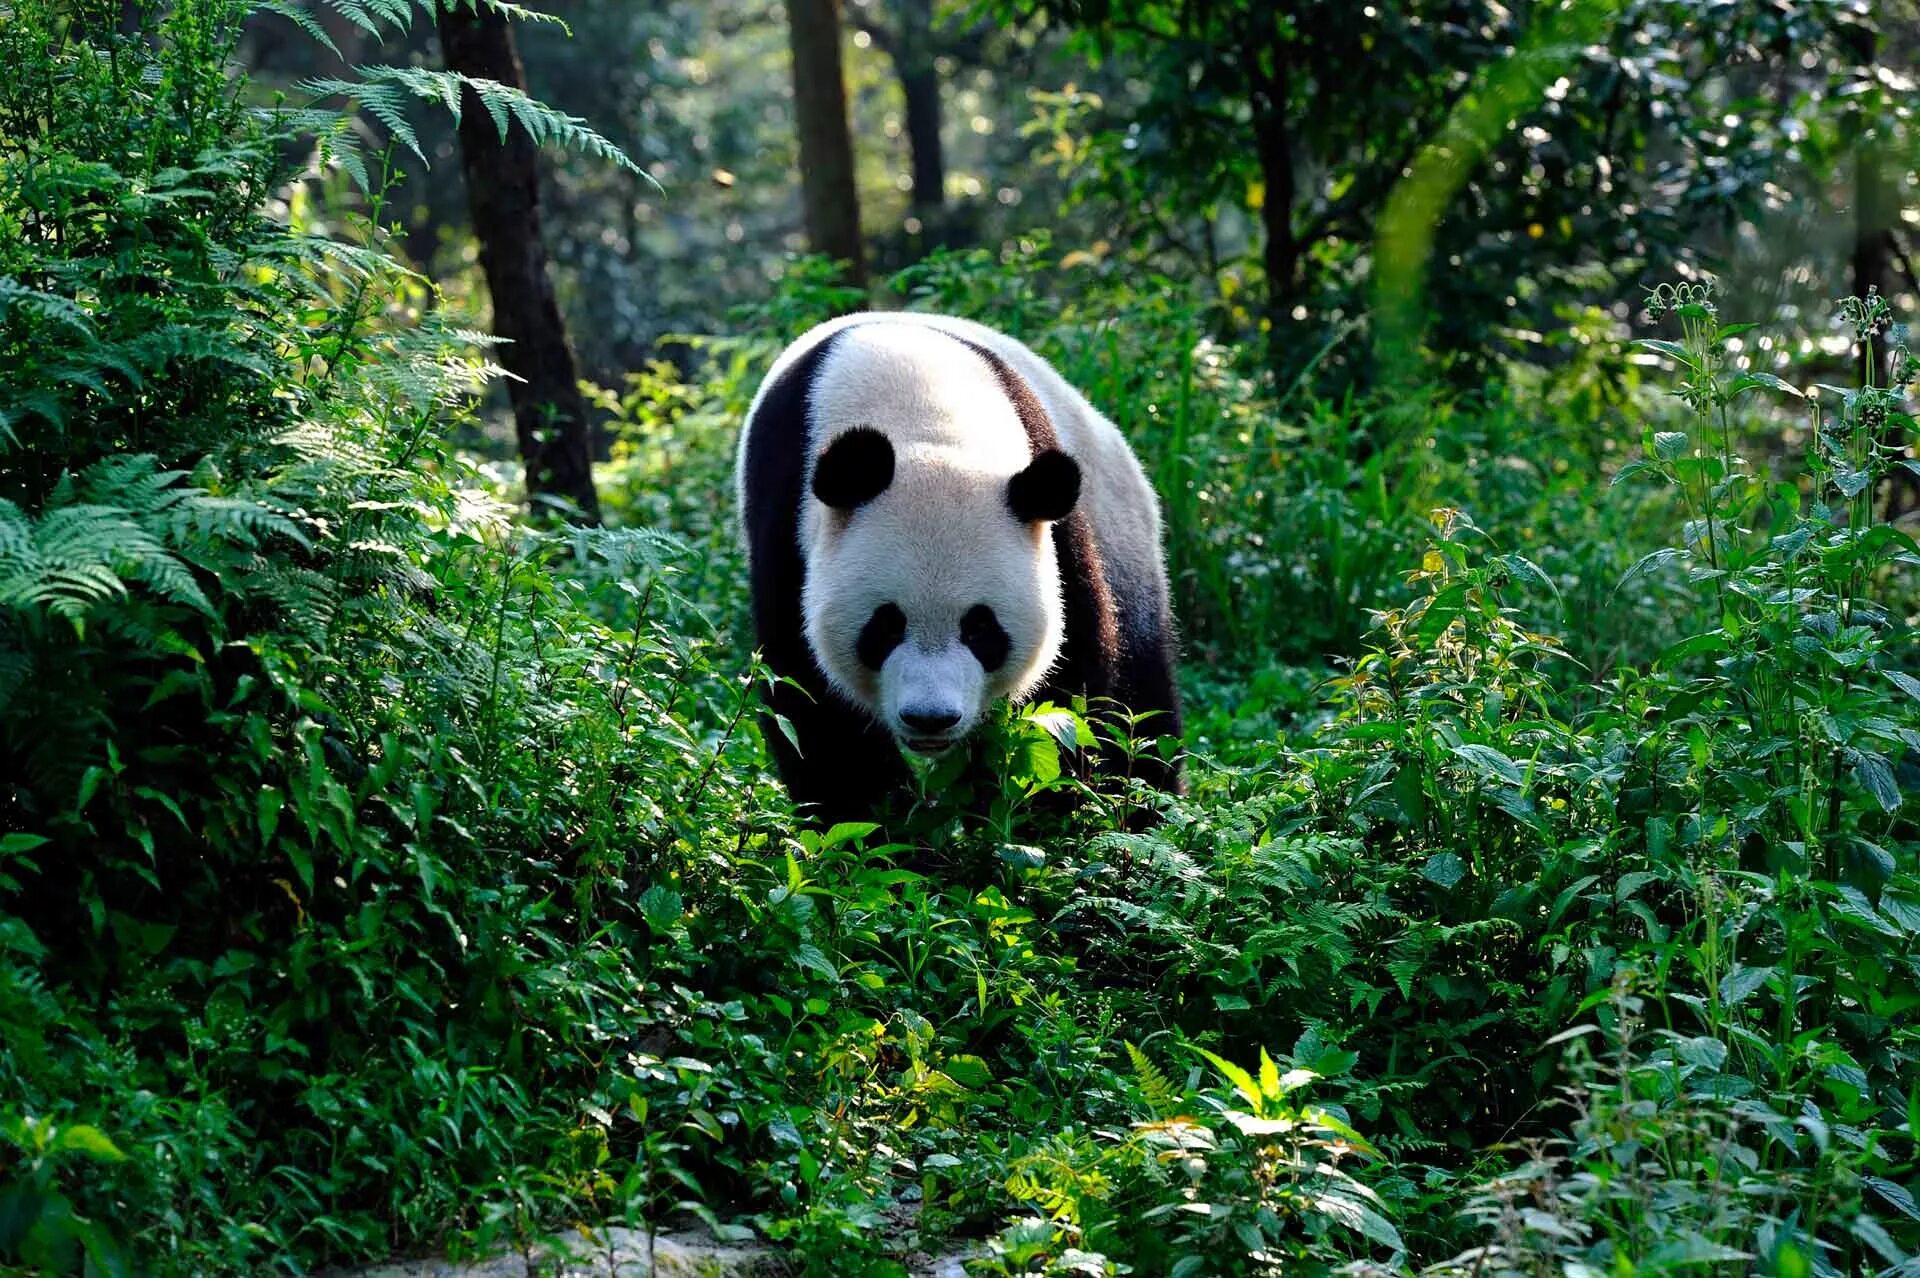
(1659, 1172)
(1730, 816)
(1800, 704)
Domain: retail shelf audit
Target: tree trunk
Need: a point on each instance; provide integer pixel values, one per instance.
(826, 144)
(1874, 215)
(1273, 147)
(1875, 212)
(914, 61)
(503, 193)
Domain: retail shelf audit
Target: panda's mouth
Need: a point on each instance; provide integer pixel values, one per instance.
(929, 745)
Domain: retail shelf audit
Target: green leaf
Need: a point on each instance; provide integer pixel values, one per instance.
(1648, 562)
(1902, 909)
(1064, 726)
(1360, 1218)
(847, 832)
(268, 803)
(1673, 350)
(788, 731)
(1739, 984)
(1712, 642)
(662, 908)
(1750, 381)
(811, 957)
(1706, 1053)
(1490, 762)
(969, 1071)
(1269, 1076)
(1235, 1075)
(1669, 444)
(1444, 869)
(91, 1141)
(1440, 612)
(1630, 469)
(1875, 776)
(1036, 759)
(1899, 1195)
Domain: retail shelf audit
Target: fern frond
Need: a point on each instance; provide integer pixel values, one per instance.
(369, 14)
(383, 92)
(383, 102)
(235, 520)
(300, 18)
(517, 12)
(1162, 1100)
(188, 343)
(48, 306)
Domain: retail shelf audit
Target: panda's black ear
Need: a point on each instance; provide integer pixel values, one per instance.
(1046, 489)
(856, 467)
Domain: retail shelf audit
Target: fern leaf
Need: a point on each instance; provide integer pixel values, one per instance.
(382, 101)
(48, 306)
(300, 18)
(369, 14)
(1162, 1100)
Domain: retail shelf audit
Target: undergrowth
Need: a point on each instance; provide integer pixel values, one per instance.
(382, 874)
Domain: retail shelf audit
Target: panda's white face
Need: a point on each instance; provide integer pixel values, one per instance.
(932, 584)
(933, 599)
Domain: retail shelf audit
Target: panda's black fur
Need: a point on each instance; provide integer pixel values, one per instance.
(1117, 642)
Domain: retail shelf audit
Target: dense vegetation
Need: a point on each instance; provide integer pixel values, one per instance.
(382, 871)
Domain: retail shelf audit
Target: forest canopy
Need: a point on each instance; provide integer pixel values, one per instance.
(392, 861)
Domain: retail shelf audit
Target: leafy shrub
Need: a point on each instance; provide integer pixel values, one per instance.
(1659, 1172)
(333, 796)
(1211, 1181)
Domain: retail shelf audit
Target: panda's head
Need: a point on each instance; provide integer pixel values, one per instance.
(933, 588)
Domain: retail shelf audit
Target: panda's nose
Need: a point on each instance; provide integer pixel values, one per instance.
(927, 721)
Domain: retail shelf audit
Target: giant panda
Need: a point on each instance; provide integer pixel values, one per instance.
(935, 520)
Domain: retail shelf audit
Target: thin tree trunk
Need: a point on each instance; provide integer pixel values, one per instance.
(1874, 209)
(826, 144)
(914, 61)
(1874, 214)
(503, 193)
(1273, 147)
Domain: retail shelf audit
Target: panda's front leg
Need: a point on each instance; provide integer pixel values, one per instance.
(846, 766)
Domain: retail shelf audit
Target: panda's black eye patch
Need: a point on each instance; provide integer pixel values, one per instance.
(885, 630)
(856, 467)
(980, 630)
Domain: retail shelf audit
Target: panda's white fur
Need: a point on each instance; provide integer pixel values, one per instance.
(941, 537)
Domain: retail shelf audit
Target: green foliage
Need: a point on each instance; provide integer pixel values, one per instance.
(379, 875)
(1244, 1180)
(1659, 1173)
(331, 794)
(383, 92)
(38, 1222)
(1552, 152)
